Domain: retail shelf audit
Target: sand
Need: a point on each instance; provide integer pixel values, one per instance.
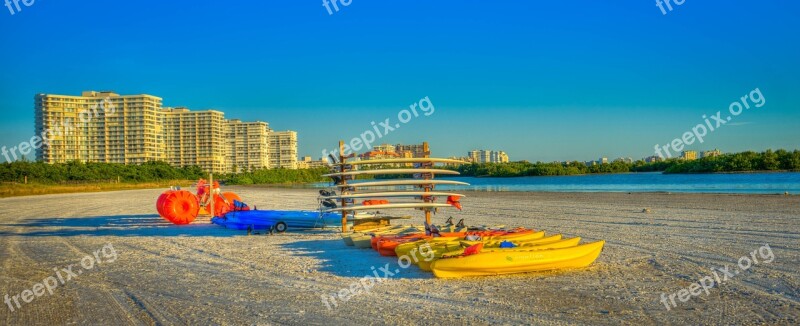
(203, 274)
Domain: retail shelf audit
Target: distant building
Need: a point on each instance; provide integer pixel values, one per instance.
(140, 130)
(603, 160)
(379, 155)
(195, 138)
(282, 149)
(247, 145)
(415, 151)
(307, 163)
(388, 151)
(486, 156)
(689, 155)
(502, 157)
(713, 153)
(653, 159)
(624, 160)
(386, 148)
(131, 133)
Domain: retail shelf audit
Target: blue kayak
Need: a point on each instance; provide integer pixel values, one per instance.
(264, 220)
(236, 224)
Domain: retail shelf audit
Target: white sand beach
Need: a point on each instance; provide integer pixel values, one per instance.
(203, 274)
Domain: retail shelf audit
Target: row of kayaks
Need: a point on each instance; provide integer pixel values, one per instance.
(455, 252)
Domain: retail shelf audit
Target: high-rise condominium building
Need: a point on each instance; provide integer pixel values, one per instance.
(306, 162)
(282, 149)
(484, 156)
(132, 129)
(689, 155)
(713, 153)
(99, 127)
(416, 151)
(501, 157)
(247, 145)
(195, 138)
(386, 148)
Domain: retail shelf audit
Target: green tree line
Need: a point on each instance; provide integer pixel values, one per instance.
(38, 172)
(276, 176)
(76, 171)
(780, 160)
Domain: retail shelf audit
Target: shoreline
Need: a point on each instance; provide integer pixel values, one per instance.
(631, 172)
(312, 187)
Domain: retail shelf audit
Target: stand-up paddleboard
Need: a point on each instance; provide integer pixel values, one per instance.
(405, 160)
(387, 206)
(392, 171)
(393, 194)
(389, 183)
(373, 218)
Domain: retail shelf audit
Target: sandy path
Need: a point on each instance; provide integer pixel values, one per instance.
(201, 274)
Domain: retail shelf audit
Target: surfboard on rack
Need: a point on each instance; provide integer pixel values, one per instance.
(405, 160)
(393, 194)
(377, 218)
(392, 171)
(356, 208)
(389, 183)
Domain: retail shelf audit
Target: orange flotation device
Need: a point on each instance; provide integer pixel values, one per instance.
(178, 206)
(455, 201)
(222, 203)
(375, 202)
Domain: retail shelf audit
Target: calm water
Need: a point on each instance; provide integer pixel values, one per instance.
(753, 183)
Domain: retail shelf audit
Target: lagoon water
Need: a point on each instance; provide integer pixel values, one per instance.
(743, 183)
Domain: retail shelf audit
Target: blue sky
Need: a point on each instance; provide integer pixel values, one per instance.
(543, 81)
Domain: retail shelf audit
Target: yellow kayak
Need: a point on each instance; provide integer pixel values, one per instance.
(552, 242)
(517, 261)
(406, 248)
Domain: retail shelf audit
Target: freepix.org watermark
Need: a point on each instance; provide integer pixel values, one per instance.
(365, 284)
(65, 128)
(14, 4)
(668, 4)
(720, 276)
(107, 254)
(335, 3)
(377, 131)
(700, 131)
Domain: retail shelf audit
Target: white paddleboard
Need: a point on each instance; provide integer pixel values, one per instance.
(392, 171)
(406, 160)
(388, 183)
(387, 206)
(394, 194)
